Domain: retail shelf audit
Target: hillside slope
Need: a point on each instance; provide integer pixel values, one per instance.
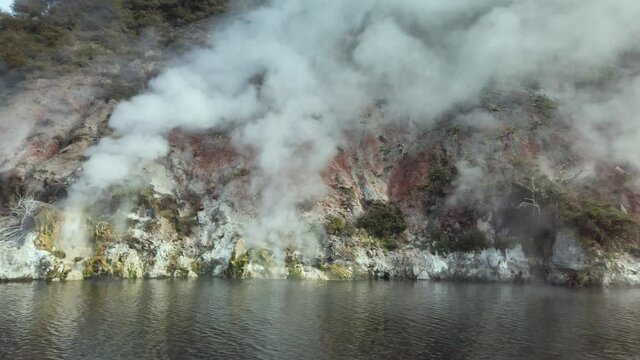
(498, 187)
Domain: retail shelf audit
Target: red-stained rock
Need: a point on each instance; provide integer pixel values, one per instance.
(209, 154)
(40, 149)
(339, 168)
(408, 178)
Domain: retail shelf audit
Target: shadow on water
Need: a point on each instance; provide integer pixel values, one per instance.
(205, 318)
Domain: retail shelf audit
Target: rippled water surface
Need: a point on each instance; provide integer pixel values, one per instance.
(289, 319)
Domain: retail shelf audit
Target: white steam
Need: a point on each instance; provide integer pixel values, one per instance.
(290, 76)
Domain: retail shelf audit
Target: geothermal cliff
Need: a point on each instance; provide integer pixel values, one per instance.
(401, 203)
(499, 183)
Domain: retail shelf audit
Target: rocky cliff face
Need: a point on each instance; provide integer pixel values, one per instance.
(496, 189)
(400, 203)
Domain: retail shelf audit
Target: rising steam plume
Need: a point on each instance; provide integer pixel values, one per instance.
(289, 77)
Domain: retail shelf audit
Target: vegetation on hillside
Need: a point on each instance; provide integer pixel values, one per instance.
(383, 221)
(60, 35)
(441, 175)
(600, 222)
(469, 240)
(338, 226)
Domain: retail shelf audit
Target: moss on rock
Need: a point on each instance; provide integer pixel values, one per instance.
(95, 265)
(47, 224)
(237, 266)
(44, 242)
(295, 272)
(238, 262)
(338, 272)
(103, 232)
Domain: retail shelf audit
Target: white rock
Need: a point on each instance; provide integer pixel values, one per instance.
(24, 262)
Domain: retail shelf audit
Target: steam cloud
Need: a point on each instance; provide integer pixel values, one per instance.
(290, 76)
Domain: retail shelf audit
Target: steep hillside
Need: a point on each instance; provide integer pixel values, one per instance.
(291, 174)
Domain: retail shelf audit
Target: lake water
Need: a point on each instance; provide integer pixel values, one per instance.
(205, 318)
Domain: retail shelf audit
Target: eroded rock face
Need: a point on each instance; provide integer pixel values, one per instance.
(463, 211)
(567, 251)
(211, 198)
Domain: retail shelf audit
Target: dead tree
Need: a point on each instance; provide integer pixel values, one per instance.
(532, 200)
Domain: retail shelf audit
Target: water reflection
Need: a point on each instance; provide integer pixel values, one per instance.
(290, 319)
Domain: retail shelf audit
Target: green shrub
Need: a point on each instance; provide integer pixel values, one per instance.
(465, 241)
(86, 52)
(30, 44)
(600, 221)
(153, 13)
(440, 243)
(338, 226)
(119, 89)
(440, 178)
(543, 104)
(295, 272)
(472, 240)
(384, 221)
(441, 175)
